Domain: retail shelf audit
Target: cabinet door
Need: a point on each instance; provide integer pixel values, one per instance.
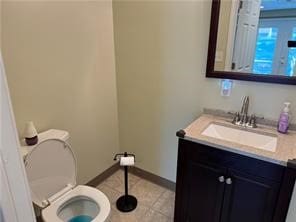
(204, 192)
(249, 198)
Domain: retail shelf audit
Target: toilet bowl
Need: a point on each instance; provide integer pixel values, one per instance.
(83, 203)
(51, 172)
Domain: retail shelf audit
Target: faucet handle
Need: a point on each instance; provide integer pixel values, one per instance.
(233, 113)
(236, 118)
(259, 117)
(252, 122)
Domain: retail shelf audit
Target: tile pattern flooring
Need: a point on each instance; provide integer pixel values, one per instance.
(155, 203)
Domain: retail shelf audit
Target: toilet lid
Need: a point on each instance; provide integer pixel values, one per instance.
(50, 167)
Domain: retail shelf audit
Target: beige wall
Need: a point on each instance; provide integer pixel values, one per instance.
(59, 59)
(161, 53)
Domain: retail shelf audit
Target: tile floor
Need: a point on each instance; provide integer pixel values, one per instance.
(155, 203)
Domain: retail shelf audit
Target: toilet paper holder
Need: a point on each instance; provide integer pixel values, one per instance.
(126, 203)
(125, 154)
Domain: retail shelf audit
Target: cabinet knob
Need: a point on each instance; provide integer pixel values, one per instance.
(228, 181)
(221, 179)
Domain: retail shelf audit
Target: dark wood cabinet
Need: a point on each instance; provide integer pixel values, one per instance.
(249, 198)
(204, 192)
(220, 186)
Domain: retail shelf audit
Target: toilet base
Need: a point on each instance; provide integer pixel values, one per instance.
(126, 203)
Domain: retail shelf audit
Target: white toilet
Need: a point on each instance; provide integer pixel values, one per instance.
(51, 171)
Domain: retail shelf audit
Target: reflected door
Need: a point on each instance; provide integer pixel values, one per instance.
(245, 37)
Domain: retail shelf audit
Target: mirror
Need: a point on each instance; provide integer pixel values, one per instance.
(253, 40)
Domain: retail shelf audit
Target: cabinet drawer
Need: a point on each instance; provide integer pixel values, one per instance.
(202, 153)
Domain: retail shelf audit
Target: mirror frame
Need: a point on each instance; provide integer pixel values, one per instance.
(210, 71)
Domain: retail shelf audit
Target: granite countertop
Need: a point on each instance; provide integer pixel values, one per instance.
(286, 144)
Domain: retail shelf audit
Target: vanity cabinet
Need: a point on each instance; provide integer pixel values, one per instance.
(249, 198)
(214, 185)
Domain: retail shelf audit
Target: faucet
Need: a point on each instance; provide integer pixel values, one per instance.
(241, 118)
(244, 111)
(245, 106)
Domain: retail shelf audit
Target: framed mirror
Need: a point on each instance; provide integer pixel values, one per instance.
(253, 40)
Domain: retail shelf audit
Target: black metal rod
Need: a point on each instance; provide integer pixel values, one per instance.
(125, 181)
(125, 178)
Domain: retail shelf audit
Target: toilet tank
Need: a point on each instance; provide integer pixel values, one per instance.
(48, 134)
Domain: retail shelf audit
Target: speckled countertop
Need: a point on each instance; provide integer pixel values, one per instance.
(286, 144)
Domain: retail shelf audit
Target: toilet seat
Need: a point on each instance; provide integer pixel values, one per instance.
(51, 167)
(50, 213)
(51, 172)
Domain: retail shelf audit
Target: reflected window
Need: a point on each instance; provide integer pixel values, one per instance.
(265, 48)
(291, 64)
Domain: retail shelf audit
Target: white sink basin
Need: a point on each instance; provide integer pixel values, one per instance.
(256, 140)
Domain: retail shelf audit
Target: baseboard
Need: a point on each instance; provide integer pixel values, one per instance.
(153, 178)
(136, 171)
(103, 176)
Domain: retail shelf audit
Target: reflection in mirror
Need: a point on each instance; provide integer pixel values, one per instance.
(258, 36)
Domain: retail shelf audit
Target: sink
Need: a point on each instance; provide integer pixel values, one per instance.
(257, 140)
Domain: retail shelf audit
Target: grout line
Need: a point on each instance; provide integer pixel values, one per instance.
(132, 186)
(162, 213)
(157, 201)
(158, 198)
(157, 212)
(114, 189)
(136, 183)
(107, 185)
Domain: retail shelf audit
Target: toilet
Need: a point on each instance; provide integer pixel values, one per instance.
(51, 171)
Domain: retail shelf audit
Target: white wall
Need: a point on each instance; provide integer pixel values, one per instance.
(59, 58)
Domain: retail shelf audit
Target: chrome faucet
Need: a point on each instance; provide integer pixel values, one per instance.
(241, 118)
(245, 106)
(244, 111)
